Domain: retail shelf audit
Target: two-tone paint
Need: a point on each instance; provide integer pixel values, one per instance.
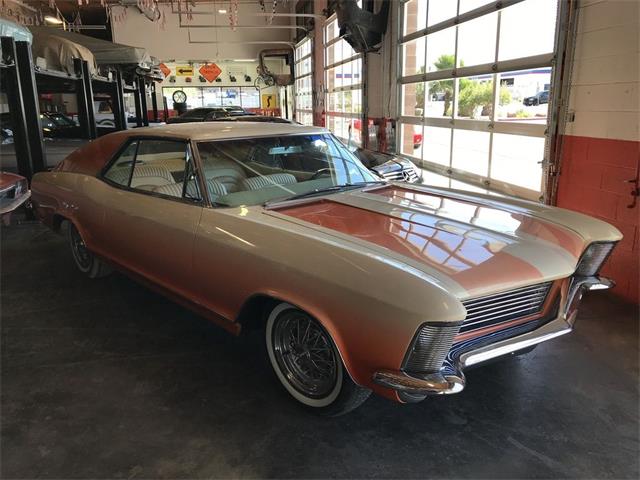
(371, 265)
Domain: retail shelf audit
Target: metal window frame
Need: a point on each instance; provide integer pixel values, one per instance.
(344, 61)
(456, 20)
(361, 85)
(201, 88)
(494, 69)
(296, 62)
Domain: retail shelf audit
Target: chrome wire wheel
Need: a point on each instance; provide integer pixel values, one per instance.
(81, 255)
(303, 351)
(303, 356)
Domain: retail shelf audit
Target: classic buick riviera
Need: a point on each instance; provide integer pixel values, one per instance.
(359, 285)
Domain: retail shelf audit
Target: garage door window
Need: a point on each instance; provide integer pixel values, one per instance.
(476, 81)
(304, 82)
(344, 83)
(198, 97)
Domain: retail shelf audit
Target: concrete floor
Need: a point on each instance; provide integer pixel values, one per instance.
(104, 379)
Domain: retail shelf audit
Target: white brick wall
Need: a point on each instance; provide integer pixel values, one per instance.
(605, 93)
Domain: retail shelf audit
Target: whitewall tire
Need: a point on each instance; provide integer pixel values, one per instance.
(307, 363)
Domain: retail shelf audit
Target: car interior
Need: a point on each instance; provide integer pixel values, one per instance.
(244, 172)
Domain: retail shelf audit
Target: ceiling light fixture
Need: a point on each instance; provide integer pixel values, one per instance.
(222, 11)
(52, 19)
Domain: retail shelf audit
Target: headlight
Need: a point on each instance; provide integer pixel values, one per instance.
(593, 258)
(430, 347)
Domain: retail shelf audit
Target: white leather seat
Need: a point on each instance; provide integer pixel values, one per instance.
(151, 175)
(215, 189)
(225, 171)
(256, 183)
(175, 189)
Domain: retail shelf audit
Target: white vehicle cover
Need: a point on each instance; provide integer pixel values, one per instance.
(58, 50)
(103, 51)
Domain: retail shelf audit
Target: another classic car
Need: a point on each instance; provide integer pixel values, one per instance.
(208, 114)
(14, 192)
(358, 284)
(539, 98)
(54, 125)
(251, 118)
(389, 167)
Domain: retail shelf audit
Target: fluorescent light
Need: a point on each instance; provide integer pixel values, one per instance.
(222, 11)
(52, 19)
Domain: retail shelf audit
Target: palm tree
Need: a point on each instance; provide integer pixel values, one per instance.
(444, 62)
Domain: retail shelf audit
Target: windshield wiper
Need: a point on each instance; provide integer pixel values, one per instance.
(323, 191)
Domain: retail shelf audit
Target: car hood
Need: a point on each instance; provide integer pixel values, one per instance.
(474, 244)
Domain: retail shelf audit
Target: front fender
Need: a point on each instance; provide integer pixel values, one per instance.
(372, 306)
(373, 333)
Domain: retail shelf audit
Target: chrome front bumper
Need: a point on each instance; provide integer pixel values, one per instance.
(451, 379)
(14, 203)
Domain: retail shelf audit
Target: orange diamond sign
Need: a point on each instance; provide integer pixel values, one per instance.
(165, 70)
(210, 71)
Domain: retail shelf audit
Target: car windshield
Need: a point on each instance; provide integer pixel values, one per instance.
(254, 171)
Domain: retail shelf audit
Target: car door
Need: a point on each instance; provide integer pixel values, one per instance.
(152, 208)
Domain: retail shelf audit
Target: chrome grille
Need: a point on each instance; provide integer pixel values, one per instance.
(430, 347)
(396, 176)
(504, 307)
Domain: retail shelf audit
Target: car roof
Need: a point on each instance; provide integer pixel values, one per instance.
(220, 130)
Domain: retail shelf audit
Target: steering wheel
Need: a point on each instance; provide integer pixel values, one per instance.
(320, 172)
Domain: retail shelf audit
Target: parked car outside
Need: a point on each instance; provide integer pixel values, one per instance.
(539, 98)
(14, 192)
(417, 140)
(417, 137)
(356, 284)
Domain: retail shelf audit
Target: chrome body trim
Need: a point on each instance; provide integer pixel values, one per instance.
(451, 378)
(15, 203)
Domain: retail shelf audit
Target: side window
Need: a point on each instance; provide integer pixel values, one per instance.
(120, 171)
(163, 166)
(159, 166)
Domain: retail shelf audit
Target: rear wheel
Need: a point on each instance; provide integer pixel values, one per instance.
(307, 363)
(86, 262)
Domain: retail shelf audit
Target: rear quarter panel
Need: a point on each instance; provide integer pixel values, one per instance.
(64, 194)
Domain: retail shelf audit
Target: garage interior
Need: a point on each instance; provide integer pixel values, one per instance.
(537, 99)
